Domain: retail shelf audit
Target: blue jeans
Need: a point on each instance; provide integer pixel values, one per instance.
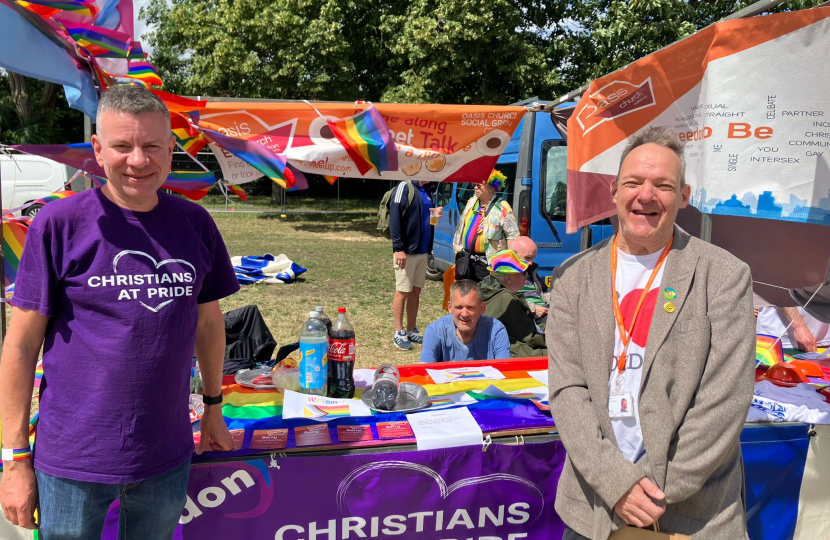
(74, 510)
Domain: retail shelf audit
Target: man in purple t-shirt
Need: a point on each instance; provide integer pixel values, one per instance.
(120, 285)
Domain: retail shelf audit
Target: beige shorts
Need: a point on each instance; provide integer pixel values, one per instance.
(414, 275)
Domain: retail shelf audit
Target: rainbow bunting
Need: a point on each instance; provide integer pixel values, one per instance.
(144, 73)
(14, 236)
(768, 350)
(104, 43)
(238, 191)
(187, 136)
(327, 411)
(330, 179)
(258, 156)
(80, 155)
(47, 8)
(55, 197)
(300, 182)
(178, 103)
(367, 141)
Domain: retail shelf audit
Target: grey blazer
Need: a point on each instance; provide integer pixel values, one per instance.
(697, 384)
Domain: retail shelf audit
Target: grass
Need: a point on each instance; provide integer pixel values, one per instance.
(293, 202)
(349, 264)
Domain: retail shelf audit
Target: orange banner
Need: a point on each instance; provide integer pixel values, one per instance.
(434, 142)
(743, 96)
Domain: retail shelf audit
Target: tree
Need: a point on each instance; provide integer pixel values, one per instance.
(36, 112)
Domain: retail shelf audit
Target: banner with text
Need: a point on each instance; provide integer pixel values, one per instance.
(748, 97)
(503, 493)
(457, 143)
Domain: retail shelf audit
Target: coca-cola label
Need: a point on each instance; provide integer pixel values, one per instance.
(341, 350)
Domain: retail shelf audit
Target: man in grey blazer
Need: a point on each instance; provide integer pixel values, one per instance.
(651, 338)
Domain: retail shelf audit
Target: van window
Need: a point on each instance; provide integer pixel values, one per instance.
(465, 190)
(443, 196)
(554, 179)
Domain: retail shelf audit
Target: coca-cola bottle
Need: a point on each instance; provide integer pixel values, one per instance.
(341, 357)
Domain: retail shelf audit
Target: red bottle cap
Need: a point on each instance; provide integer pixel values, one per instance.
(341, 310)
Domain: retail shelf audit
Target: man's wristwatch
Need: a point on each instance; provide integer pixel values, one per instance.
(212, 400)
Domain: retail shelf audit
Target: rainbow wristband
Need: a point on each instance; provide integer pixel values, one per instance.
(15, 454)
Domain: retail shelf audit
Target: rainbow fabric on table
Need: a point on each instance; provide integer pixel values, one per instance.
(367, 141)
(252, 411)
(145, 73)
(507, 262)
(768, 350)
(47, 8)
(473, 231)
(272, 165)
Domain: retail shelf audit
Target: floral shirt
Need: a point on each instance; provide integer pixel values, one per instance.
(499, 226)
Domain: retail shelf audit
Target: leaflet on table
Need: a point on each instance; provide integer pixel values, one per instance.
(814, 355)
(540, 393)
(465, 374)
(451, 400)
(445, 429)
(541, 376)
(320, 408)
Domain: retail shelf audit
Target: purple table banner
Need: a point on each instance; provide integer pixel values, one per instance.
(502, 493)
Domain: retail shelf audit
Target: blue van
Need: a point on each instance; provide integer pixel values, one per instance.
(535, 161)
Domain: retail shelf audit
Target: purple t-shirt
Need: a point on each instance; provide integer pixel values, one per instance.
(121, 289)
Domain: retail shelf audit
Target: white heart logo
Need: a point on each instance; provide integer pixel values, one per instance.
(157, 266)
(444, 488)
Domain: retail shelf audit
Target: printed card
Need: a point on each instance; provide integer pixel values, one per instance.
(317, 435)
(465, 374)
(354, 433)
(394, 430)
(445, 429)
(269, 439)
(321, 408)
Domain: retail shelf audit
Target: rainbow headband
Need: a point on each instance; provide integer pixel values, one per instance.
(496, 180)
(507, 262)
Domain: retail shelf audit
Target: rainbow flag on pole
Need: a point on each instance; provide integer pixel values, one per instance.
(186, 182)
(367, 141)
(47, 8)
(272, 165)
(101, 42)
(238, 191)
(191, 140)
(144, 73)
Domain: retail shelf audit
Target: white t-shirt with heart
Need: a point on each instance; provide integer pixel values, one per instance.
(633, 272)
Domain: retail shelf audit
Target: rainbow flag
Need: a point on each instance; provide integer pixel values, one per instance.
(144, 73)
(55, 197)
(272, 165)
(300, 182)
(185, 182)
(464, 375)
(367, 141)
(178, 103)
(768, 350)
(80, 155)
(327, 411)
(330, 179)
(47, 8)
(187, 136)
(238, 191)
(101, 42)
(14, 236)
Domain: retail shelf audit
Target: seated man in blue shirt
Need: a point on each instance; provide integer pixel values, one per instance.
(466, 333)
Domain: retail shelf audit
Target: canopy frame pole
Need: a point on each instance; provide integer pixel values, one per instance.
(706, 228)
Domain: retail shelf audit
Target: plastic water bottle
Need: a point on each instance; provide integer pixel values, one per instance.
(323, 317)
(386, 387)
(314, 356)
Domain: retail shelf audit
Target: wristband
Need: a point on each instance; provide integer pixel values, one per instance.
(15, 454)
(212, 400)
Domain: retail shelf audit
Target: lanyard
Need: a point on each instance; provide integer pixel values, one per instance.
(626, 336)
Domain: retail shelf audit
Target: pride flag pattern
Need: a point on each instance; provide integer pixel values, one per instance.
(192, 184)
(768, 350)
(367, 141)
(187, 136)
(47, 8)
(56, 196)
(272, 165)
(238, 191)
(14, 236)
(327, 411)
(145, 73)
(465, 375)
(104, 43)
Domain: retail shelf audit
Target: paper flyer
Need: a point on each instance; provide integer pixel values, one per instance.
(541, 376)
(480, 373)
(445, 429)
(540, 393)
(320, 408)
(451, 400)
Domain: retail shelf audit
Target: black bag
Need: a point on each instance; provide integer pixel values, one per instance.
(462, 265)
(248, 340)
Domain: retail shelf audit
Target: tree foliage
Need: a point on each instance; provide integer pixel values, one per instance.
(36, 112)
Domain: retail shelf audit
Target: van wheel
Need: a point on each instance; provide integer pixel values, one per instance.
(32, 210)
(433, 273)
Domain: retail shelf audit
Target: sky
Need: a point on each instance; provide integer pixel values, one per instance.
(140, 25)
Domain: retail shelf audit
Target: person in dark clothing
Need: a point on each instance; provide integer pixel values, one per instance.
(534, 290)
(412, 236)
